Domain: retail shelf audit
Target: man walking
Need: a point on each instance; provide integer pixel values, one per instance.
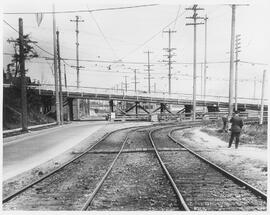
(236, 127)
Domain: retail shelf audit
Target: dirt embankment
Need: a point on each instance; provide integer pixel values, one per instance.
(248, 162)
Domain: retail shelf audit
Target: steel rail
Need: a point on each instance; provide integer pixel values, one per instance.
(93, 194)
(175, 188)
(16, 193)
(221, 170)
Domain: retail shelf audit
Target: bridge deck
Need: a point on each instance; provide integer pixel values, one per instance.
(141, 96)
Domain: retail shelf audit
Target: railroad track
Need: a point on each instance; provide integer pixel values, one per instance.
(128, 187)
(140, 184)
(54, 192)
(44, 185)
(201, 184)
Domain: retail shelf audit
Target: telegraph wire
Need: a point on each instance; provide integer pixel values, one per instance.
(82, 11)
(254, 63)
(123, 72)
(36, 44)
(176, 17)
(152, 37)
(142, 63)
(103, 35)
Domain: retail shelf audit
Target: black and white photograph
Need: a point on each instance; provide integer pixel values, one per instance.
(135, 106)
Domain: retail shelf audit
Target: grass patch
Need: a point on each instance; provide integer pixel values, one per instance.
(253, 134)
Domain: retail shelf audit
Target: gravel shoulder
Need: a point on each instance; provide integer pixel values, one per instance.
(248, 162)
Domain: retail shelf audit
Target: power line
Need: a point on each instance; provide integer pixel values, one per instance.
(137, 62)
(103, 35)
(176, 16)
(253, 63)
(152, 37)
(35, 44)
(83, 11)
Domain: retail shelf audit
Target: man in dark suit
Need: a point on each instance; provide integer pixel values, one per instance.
(236, 127)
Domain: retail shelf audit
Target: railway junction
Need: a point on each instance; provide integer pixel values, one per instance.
(139, 166)
(78, 138)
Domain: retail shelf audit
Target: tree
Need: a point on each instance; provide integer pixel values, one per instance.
(29, 53)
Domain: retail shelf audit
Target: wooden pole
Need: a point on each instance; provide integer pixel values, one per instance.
(60, 81)
(23, 80)
(262, 98)
(231, 63)
(57, 105)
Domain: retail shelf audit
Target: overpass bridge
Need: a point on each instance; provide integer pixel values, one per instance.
(162, 99)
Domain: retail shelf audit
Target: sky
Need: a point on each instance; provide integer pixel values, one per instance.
(126, 34)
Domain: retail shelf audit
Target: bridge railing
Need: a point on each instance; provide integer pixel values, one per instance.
(139, 93)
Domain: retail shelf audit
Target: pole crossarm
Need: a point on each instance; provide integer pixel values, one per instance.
(197, 23)
(195, 16)
(77, 21)
(170, 55)
(149, 69)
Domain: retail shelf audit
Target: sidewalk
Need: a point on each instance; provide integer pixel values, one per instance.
(23, 152)
(29, 127)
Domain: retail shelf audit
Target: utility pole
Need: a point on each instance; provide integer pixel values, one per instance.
(65, 76)
(254, 89)
(231, 62)
(125, 83)
(60, 80)
(201, 80)
(122, 86)
(195, 23)
(205, 58)
(57, 106)
(77, 20)
(135, 80)
(237, 50)
(23, 80)
(169, 49)
(149, 69)
(262, 98)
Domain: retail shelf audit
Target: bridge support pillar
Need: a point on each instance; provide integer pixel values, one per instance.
(70, 109)
(188, 109)
(111, 105)
(162, 108)
(136, 108)
(76, 107)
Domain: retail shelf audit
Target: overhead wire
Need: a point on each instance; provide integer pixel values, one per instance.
(36, 44)
(82, 11)
(103, 35)
(142, 63)
(152, 37)
(176, 17)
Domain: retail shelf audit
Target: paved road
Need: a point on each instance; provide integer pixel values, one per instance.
(24, 152)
